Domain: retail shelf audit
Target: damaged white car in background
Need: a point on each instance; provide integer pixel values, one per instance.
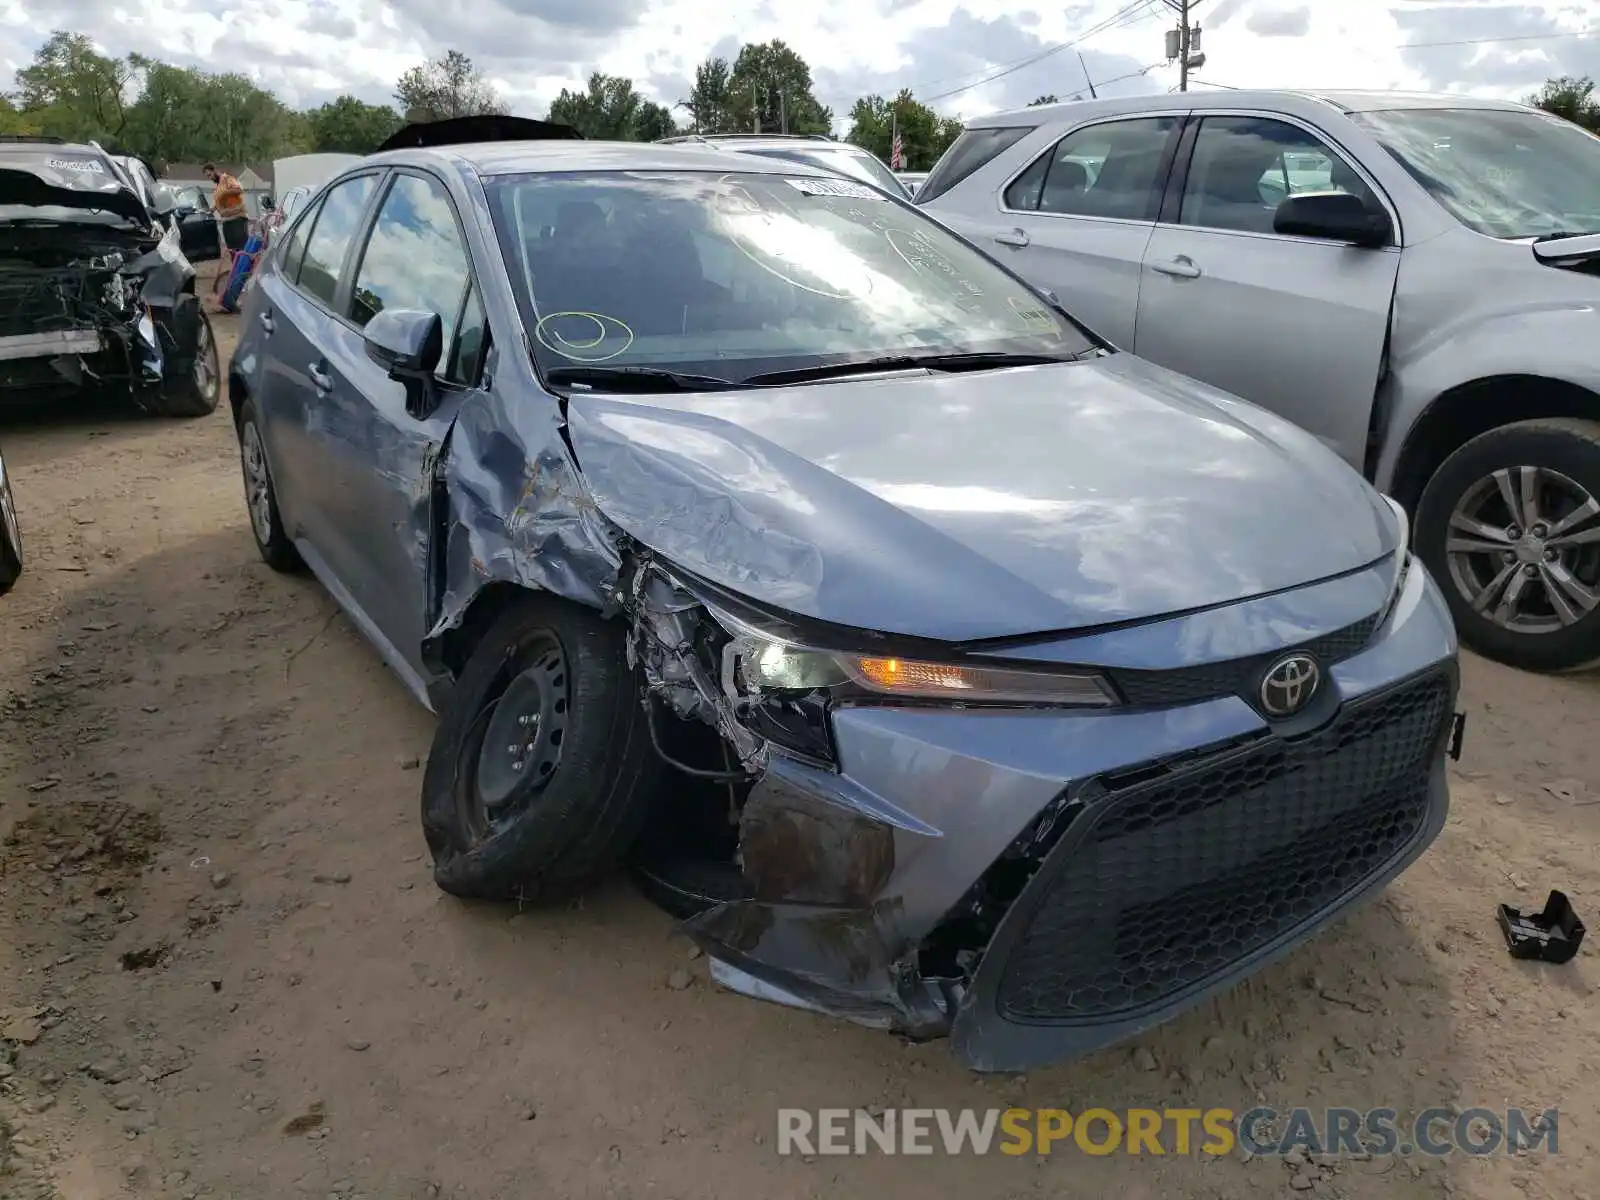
(95, 292)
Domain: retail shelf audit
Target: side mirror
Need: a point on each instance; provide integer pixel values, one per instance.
(1335, 216)
(408, 344)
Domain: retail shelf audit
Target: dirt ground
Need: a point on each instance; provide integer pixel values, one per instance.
(226, 972)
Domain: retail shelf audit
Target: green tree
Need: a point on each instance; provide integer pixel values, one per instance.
(710, 110)
(446, 87)
(610, 108)
(1048, 98)
(15, 122)
(769, 91)
(169, 121)
(924, 135)
(1571, 97)
(73, 91)
(350, 126)
(186, 115)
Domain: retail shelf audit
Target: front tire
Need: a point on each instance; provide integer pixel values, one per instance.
(195, 390)
(541, 771)
(1509, 526)
(260, 498)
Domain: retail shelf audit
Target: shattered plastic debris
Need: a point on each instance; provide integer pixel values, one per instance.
(1552, 936)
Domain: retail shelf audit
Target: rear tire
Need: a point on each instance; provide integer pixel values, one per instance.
(260, 497)
(1477, 542)
(196, 390)
(542, 770)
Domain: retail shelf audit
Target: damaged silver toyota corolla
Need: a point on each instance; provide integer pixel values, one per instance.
(95, 292)
(944, 668)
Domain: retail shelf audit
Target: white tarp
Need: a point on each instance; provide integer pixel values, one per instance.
(308, 170)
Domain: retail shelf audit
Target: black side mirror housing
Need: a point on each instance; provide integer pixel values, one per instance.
(1334, 216)
(408, 344)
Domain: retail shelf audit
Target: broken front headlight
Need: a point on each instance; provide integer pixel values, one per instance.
(756, 662)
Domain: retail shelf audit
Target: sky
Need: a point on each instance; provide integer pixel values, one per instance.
(964, 63)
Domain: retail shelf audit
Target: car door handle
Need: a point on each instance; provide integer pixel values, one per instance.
(321, 378)
(266, 321)
(1014, 237)
(1181, 267)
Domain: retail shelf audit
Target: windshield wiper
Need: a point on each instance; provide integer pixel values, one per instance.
(1562, 234)
(638, 379)
(965, 361)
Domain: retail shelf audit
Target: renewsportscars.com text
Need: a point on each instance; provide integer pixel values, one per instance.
(1374, 1132)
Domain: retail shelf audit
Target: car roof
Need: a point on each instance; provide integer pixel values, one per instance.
(513, 158)
(1344, 101)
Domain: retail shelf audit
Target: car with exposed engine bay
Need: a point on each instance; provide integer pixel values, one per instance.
(96, 294)
(943, 668)
(1413, 278)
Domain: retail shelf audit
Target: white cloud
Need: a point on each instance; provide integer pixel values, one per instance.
(310, 50)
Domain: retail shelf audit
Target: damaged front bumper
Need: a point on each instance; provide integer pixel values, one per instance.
(1038, 884)
(120, 319)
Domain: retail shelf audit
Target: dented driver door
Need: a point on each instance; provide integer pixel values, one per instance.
(415, 259)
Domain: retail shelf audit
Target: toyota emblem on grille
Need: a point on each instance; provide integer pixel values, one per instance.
(1289, 685)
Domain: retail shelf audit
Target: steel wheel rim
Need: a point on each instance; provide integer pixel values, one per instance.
(205, 362)
(523, 731)
(1523, 550)
(257, 485)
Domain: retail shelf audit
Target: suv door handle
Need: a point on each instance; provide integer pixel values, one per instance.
(321, 378)
(1014, 237)
(1181, 267)
(266, 321)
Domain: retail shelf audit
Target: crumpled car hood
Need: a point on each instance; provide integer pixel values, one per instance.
(969, 506)
(66, 178)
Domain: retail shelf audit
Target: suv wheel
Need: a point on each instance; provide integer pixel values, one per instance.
(1510, 527)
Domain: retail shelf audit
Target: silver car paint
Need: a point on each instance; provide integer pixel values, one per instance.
(1292, 325)
(900, 527)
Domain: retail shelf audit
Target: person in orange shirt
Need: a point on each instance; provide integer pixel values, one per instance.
(227, 205)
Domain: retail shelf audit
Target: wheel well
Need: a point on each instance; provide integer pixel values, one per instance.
(238, 393)
(1464, 412)
(454, 646)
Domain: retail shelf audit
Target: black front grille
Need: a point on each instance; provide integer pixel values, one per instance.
(1171, 882)
(1236, 676)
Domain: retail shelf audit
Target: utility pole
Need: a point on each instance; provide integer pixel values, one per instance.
(755, 108)
(1183, 43)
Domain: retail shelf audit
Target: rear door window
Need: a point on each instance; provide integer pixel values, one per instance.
(1112, 169)
(328, 245)
(975, 148)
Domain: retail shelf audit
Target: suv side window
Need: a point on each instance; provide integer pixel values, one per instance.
(1243, 167)
(1108, 170)
(415, 259)
(336, 224)
(975, 148)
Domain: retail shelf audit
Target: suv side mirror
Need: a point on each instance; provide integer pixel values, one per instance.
(1336, 216)
(408, 344)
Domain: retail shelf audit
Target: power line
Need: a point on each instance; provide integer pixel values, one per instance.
(1521, 37)
(1130, 14)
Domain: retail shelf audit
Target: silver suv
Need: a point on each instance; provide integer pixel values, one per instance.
(1414, 279)
(841, 158)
